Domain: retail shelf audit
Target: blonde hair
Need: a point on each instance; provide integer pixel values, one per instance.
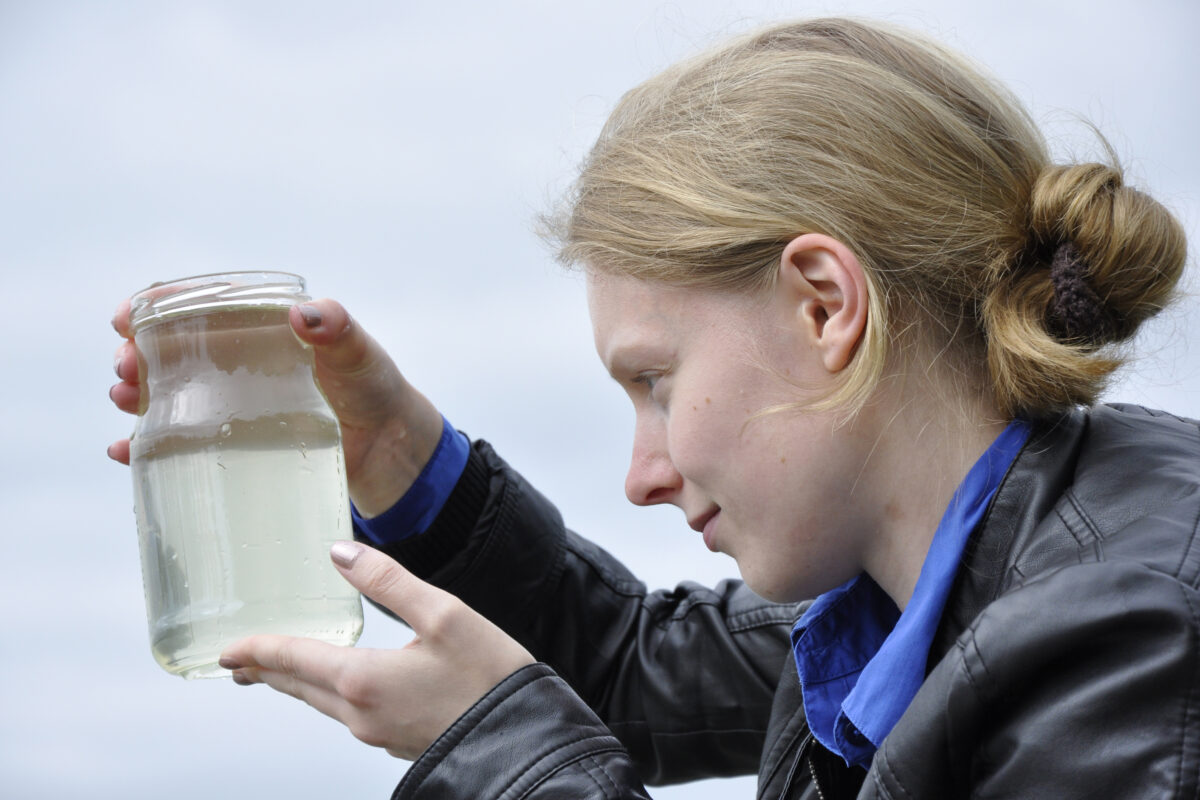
(930, 172)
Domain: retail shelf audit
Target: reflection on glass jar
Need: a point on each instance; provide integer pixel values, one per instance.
(239, 479)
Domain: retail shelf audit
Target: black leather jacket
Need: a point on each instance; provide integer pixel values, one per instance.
(1066, 665)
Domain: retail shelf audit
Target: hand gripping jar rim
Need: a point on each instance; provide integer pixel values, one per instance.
(201, 293)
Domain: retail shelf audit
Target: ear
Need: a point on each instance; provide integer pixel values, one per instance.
(826, 287)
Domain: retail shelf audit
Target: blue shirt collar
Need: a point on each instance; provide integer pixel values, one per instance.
(860, 660)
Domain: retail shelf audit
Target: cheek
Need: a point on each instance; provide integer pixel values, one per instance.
(700, 439)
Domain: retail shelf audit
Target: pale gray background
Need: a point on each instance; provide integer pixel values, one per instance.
(395, 153)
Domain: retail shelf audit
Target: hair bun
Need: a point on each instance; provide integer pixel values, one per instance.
(1101, 259)
(1111, 253)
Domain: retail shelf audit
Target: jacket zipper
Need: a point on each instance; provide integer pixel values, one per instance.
(816, 782)
(800, 752)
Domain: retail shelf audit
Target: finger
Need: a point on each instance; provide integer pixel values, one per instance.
(120, 320)
(119, 451)
(327, 702)
(383, 580)
(365, 725)
(305, 660)
(125, 362)
(126, 396)
(340, 344)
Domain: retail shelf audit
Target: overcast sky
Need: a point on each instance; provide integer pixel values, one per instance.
(394, 153)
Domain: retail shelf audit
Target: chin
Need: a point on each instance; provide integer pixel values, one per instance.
(786, 587)
(783, 597)
(774, 591)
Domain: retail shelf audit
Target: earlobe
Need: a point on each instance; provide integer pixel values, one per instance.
(828, 290)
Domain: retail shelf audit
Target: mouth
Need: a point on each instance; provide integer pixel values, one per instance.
(697, 523)
(705, 523)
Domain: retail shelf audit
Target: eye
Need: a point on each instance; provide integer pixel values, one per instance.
(651, 379)
(647, 379)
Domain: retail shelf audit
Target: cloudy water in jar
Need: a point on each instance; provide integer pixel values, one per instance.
(237, 501)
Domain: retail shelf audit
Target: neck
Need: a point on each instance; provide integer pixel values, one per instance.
(923, 450)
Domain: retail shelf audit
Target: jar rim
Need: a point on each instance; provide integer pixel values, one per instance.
(198, 293)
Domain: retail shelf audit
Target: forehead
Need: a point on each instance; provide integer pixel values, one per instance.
(632, 314)
(614, 298)
(624, 309)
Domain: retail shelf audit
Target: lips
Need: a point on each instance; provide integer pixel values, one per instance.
(706, 524)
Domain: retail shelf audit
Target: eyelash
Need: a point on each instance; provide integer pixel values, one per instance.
(647, 379)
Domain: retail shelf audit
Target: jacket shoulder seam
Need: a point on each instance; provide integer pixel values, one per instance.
(766, 615)
(742, 621)
(762, 618)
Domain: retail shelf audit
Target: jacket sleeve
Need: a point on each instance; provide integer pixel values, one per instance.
(683, 679)
(531, 738)
(1085, 683)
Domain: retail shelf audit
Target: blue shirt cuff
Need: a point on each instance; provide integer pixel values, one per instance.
(415, 511)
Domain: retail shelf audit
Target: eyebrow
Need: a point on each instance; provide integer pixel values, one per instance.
(624, 359)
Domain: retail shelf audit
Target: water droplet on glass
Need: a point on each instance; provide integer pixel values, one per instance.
(226, 429)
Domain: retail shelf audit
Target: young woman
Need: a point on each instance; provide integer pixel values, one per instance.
(864, 320)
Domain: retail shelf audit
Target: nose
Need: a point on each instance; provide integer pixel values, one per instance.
(652, 477)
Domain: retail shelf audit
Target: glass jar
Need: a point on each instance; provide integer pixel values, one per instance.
(238, 473)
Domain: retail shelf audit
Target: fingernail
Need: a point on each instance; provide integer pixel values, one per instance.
(225, 662)
(117, 366)
(312, 316)
(345, 553)
(240, 679)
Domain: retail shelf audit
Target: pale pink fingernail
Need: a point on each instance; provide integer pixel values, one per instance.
(345, 553)
(311, 315)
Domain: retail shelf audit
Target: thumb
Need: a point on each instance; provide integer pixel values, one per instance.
(339, 343)
(383, 580)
